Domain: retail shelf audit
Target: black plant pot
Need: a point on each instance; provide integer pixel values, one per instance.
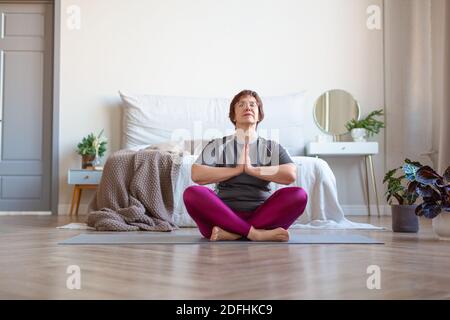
(404, 218)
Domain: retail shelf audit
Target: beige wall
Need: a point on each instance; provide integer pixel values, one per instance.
(214, 48)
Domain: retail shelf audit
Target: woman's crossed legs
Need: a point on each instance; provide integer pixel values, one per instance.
(270, 221)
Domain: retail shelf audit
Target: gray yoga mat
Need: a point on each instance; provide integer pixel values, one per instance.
(103, 238)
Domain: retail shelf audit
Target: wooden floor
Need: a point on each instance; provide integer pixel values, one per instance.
(33, 266)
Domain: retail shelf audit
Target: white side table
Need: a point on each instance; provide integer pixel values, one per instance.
(337, 149)
(82, 180)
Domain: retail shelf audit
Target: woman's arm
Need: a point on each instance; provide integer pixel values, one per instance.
(202, 174)
(283, 174)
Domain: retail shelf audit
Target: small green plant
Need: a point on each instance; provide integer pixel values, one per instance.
(92, 145)
(397, 186)
(369, 123)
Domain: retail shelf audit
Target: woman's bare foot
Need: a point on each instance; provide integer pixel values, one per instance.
(219, 234)
(278, 234)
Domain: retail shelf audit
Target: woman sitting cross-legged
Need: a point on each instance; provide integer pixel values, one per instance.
(242, 166)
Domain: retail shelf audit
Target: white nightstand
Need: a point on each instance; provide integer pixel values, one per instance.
(337, 149)
(82, 180)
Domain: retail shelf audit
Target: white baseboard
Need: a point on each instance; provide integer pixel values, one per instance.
(349, 210)
(361, 210)
(25, 213)
(64, 210)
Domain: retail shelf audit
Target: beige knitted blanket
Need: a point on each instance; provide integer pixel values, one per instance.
(136, 192)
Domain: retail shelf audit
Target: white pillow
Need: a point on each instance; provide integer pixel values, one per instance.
(188, 147)
(152, 119)
(138, 147)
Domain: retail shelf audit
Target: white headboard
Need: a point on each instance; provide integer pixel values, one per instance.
(152, 119)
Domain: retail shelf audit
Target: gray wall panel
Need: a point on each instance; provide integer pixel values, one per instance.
(23, 24)
(21, 187)
(22, 106)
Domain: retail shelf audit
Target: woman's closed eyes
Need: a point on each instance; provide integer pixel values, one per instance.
(243, 104)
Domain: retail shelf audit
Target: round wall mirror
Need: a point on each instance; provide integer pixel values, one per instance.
(333, 110)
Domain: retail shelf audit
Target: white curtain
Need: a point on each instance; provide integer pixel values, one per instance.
(443, 136)
(417, 81)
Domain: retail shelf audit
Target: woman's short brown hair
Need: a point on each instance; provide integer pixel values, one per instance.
(243, 94)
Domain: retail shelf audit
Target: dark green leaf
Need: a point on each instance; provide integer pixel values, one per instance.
(431, 211)
(426, 175)
(412, 187)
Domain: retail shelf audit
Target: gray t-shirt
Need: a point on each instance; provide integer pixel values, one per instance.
(243, 192)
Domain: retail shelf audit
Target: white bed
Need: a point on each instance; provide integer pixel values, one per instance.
(150, 120)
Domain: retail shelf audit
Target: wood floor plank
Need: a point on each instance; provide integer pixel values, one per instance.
(33, 266)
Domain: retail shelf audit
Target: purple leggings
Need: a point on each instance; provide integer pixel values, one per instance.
(281, 209)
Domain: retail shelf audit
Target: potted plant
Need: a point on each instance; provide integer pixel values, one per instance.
(404, 218)
(434, 190)
(367, 127)
(92, 148)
